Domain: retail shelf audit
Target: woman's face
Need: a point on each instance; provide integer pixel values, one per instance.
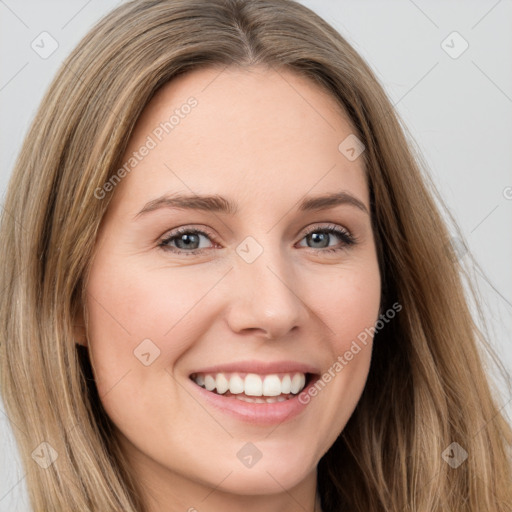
(255, 297)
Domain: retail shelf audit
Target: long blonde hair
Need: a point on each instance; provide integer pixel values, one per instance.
(427, 387)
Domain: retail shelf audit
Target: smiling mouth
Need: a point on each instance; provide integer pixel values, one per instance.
(253, 387)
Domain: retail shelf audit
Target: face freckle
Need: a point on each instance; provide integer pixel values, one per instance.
(262, 285)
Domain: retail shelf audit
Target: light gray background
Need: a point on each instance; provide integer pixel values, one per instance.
(458, 111)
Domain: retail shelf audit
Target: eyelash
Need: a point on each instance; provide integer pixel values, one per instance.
(347, 239)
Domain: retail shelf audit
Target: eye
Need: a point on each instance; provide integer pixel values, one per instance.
(320, 236)
(186, 241)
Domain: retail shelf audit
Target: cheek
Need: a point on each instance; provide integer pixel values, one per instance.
(349, 307)
(135, 310)
(349, 303)
(136, 301)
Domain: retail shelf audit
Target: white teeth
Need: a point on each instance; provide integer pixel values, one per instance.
(298, 382)
(253, 385)
(222, 383)
(271, 386)
(245, 399)
(269, 400)
(209, 382)
(236, 384)
(286, 384)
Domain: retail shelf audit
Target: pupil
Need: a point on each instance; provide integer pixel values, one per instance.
(188, 240)
(319, 237)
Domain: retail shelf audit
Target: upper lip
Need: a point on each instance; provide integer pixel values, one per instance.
(260, 367)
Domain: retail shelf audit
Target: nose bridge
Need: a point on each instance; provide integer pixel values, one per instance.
(266, 298)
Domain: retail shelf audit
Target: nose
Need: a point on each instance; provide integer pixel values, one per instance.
(266, 298)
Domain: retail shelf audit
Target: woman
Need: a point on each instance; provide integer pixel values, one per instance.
(314, 351)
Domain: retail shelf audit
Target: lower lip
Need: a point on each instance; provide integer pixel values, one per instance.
(255, 413)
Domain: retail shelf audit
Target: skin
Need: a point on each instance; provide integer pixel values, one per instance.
(264, 140)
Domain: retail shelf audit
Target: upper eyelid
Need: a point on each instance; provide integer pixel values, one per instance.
(330, 225)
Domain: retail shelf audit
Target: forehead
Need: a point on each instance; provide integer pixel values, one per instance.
(255, 134)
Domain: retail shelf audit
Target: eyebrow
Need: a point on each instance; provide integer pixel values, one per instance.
(216, 203)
